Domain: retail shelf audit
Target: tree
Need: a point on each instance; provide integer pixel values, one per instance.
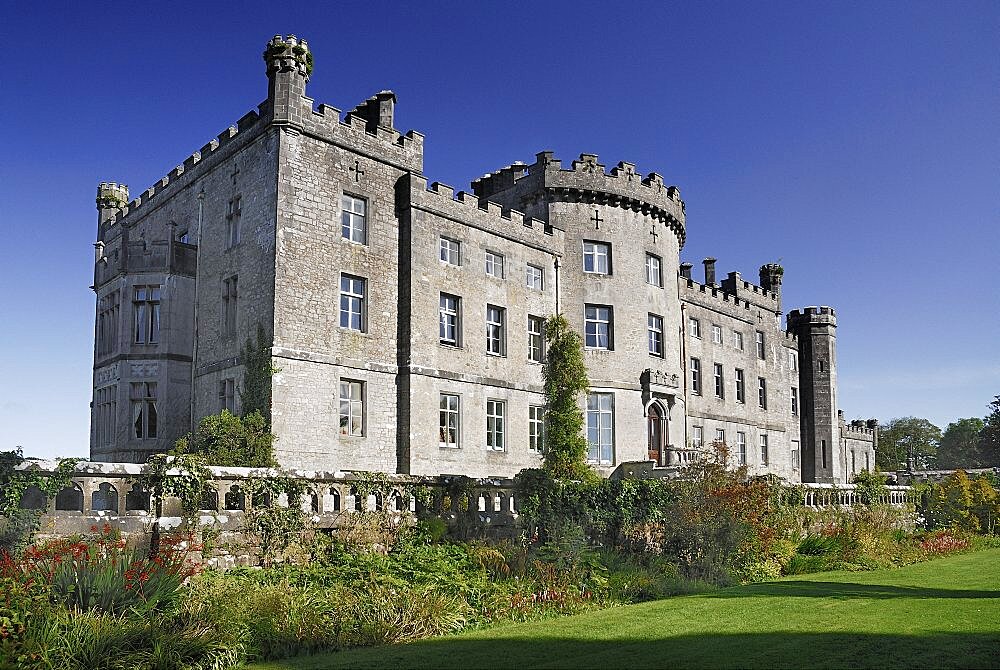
(565, 379)
(224, 439)
(960, 444)
(901, 437)
(989, 438)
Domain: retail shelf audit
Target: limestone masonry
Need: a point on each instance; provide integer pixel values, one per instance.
(404, 320)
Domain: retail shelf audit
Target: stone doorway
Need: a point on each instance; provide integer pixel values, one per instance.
(656, 430)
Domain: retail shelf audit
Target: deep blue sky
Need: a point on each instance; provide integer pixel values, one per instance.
(857, 142)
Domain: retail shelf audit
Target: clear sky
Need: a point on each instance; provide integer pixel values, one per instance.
(857, 142)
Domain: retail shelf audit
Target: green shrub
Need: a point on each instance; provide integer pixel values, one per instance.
(225, 439)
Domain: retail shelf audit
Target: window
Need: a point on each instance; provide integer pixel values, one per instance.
(144, 417)
(536, 339)
(184, 237)
(795, 455)
(107, 323)
(495, 424)
(230, 297)
(105, 408)
(760, 345)
(654, 326)
(598, 327)
(793, 360)
(353, 212)
(854, 463)
(716, 334)
(737, 340)
(720, 435)
(720, 388)
(494, 265)
(233, 212)
(822, 365)
(654, 273)
(600, 428)
(795, 401)
(227, 395)
(352, 408)
(146, 312)
(596, 258)
(741, 396)
(762, 392)
(534, 277)
(352, 302)
(697, 437)
(823, 452)
(450, 314)
(763, 449)
(695, 376)
(451, 251)
(448, 420)
(741, 447)
(536, 428)
(496, 330)
(694, 327)
(867, 464)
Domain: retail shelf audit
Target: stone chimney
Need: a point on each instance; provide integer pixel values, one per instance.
(709, 264)
(686, 270)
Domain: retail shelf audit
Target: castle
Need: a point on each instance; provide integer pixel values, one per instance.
(404, 322)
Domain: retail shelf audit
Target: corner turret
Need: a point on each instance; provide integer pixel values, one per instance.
(289, 66)
(770, 277)
(111, 197)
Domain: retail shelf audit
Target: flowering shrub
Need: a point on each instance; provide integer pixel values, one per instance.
(100, 573)
(943, 542)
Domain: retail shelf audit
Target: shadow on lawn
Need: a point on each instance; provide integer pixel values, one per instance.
(844, 590)
(658, 650)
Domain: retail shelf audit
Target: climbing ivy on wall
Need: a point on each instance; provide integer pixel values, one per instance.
(258, 369)
(18, 525)
(565, 377)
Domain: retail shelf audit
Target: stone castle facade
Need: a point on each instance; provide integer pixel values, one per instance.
(404, 320)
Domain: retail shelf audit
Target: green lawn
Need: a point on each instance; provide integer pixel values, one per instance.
(943, 613)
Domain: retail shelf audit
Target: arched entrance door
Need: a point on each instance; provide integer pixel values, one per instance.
(655, 432)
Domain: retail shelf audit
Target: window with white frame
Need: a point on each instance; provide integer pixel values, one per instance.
(598, 327)
(451, 251)
(741, 396)
(536, 339)
(230, 298)
(449, 420)
(353, 215)
(352, 302)
(597, 258)
(795, 401)
(450, 320)
(536, 428)
(495, 411)
(600, 428)
(534, 277)
(763, 449)
(793, 360)
(144, 415)
(227, 395)
(352, 407)
(716, 334)
(234, 211)
(762, 392)
(694, 327)
(696, 376)
(654, 329)
(146, 314)
(494, 264)
(697, 437)
(795, 455)
(720, 435)
(761, 351)
(741, 447)
(737, 340)
(720, 384)
(105, 416)
(496, 330)
(654, 270)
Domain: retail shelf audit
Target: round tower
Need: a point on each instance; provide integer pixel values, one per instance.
(110, 198)
(816, 328)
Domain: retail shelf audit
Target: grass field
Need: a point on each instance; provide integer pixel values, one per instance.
(942, 613)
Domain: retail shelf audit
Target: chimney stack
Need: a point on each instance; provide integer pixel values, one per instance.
(709, 271)
(686, 270)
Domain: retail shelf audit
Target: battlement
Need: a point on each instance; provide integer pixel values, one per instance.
(288, 54)
(587, 181)
(818, 315)
(859, 429)
(111, 195)
(714, 297)
(464, 207)
(365, 131)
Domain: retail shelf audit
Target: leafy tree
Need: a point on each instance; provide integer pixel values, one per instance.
(565, 379)
(900, 436)
(224, 439)
(989, 438)
(960, 444)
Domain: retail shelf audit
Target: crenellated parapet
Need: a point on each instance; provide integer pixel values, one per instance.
(812, 316)
(111, 195)
(586, 181)
(288, 54)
